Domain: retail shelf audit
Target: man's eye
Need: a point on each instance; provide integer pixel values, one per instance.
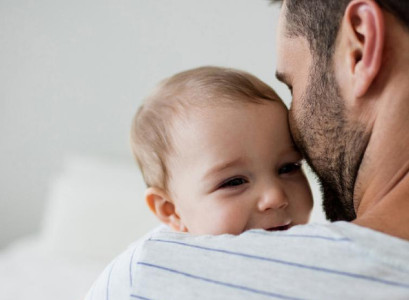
(289, 168)
(233, 182)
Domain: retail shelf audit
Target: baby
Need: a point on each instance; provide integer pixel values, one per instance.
(216, 153)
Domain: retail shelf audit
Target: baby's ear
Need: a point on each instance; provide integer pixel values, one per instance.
(164, 208)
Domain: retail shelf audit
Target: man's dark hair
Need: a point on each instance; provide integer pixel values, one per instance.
(319, 20)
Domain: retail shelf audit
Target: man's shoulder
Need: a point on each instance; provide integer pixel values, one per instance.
(286, 264)
(323, 261)
(313, 237)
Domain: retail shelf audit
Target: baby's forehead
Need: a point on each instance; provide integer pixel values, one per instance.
(223, 112)
(214, 132)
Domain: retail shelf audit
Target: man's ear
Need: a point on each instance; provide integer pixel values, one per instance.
(164, 208)
(362, 35)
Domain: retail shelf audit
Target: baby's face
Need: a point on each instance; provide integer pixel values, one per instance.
(235, 168)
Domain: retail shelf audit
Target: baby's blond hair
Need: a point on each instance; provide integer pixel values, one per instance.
(151, 128)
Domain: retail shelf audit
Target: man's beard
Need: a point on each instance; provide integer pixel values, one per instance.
(332, 145)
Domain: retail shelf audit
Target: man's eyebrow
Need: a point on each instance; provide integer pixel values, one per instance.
(282, 77)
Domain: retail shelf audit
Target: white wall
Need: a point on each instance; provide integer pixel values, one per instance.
(73, 73)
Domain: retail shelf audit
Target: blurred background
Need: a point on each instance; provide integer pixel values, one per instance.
(72, 75)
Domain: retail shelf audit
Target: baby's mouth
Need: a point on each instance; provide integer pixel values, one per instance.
(279, 228)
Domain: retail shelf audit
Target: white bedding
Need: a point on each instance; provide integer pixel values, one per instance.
(29, 271)
(95, 210)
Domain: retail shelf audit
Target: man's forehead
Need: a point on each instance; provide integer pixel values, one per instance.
(293, 58)
(282, 19)
(288, 44)
(282, 39)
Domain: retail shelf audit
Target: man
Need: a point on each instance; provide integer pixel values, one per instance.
(347, 64)
(350, 103)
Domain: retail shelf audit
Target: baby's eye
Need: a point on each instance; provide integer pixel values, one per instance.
(289, 168)
(233, 182)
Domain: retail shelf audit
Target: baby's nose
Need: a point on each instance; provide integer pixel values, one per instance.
(273, 198)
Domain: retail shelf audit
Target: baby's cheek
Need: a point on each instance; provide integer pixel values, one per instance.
(302, 190)
(300, 197)
(231, 220)
(303, 206)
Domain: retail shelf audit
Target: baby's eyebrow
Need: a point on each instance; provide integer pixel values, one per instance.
(222, 166)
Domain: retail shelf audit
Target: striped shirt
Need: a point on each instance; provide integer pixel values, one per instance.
(315, 261)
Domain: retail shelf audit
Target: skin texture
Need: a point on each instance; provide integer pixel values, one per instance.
(332, 144)
(350, 118)
(234, 168)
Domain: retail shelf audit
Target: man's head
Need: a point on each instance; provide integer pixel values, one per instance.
(330, 54)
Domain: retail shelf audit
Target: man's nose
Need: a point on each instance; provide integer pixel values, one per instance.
(273, 198)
